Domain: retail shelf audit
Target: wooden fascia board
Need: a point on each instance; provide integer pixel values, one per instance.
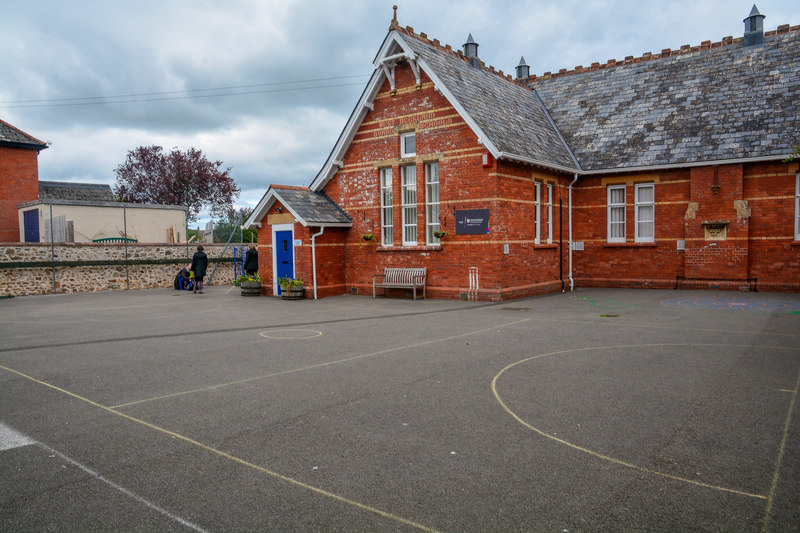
(359, 112)
(668, 166)
(530, 161)
(350, 129)
(261, 209)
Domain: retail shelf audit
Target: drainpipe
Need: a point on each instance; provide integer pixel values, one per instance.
(571, 281)
(314, 257)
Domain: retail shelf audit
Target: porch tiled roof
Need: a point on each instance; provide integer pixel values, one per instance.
(314, 208)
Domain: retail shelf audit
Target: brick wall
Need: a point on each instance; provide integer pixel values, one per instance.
(758, 243)
(507, 190)
(774, 255)
(630, 263)
(755, 201)
(19, 182)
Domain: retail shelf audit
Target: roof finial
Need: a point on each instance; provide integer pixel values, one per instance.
(394, 17)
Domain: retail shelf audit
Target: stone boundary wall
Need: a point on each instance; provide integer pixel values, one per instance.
(27, 269)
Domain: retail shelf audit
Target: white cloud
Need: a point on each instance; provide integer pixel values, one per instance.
(55, 49)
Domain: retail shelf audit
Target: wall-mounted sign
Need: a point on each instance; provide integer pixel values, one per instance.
(472, 222)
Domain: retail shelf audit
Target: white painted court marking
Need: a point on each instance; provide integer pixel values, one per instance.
(9, 438)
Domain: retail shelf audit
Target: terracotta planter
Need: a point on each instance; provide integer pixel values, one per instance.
(250, 288)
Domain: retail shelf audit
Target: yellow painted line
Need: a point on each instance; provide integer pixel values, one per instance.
(230, 457)
(318, 365)
(625, 463)
(656, 326)
(781, 451)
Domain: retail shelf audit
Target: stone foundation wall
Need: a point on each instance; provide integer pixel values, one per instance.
(27, 269)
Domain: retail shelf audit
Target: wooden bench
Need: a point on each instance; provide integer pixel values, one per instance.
(400, 278)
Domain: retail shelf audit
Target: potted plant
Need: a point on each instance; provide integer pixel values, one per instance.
(291, 289)
(440, 234)
(250, 284)
(368, 237)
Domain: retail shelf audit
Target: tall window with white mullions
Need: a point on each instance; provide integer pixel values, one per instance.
(645, 212)
(432, 201)
(537, 215)
(409, 199)
(616, 213)
(387, 213)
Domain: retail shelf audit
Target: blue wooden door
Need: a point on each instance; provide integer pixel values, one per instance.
(284, 256)
(31, 221)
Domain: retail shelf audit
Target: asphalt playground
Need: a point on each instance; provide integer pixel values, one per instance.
(596, 410)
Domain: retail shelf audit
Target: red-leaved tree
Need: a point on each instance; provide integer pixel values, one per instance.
(149, 175)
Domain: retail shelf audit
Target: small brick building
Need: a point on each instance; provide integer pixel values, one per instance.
(666, 170)
(19, 176)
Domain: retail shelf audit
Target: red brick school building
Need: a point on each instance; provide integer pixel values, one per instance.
(661, 171)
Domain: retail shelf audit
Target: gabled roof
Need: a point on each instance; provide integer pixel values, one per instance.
(11, 136)
(703, 105)
(706, 104)
(507, 118)
(308, 207)
(87, 192)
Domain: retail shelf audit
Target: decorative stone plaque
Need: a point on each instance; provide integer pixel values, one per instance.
(716, 230)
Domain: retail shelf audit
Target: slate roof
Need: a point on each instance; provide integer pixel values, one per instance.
(508, 113)
(728, 102)
(84, 192)
(314, 208)
(16, 137)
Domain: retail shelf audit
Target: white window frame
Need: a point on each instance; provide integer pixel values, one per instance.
(432, 202)
(549, 213)
(638, 205)
(409, 209)
(387, 209)
(537, 191)
(617, 206)
(403, 137)
(797, 207)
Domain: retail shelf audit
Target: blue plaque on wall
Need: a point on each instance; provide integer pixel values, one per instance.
(472, 222)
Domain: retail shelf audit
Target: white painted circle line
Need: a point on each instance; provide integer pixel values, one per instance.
(290, 334)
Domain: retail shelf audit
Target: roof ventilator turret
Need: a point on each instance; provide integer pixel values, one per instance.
(471, 52)
(754, 27)
(523, 69)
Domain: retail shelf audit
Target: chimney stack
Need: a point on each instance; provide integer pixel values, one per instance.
(754, 28)
(471, 52)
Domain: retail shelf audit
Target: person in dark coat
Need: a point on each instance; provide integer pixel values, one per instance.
(181, 278)
(199, 266)
(251, 260)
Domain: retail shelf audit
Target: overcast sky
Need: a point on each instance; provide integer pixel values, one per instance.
(266, 86)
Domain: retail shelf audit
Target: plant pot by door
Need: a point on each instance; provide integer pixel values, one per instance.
(292, 293)
(251, 288)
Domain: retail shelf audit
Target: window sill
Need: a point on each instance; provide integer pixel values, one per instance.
(426, 248)
(795, 243)
(545, 246)
(629, 245)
